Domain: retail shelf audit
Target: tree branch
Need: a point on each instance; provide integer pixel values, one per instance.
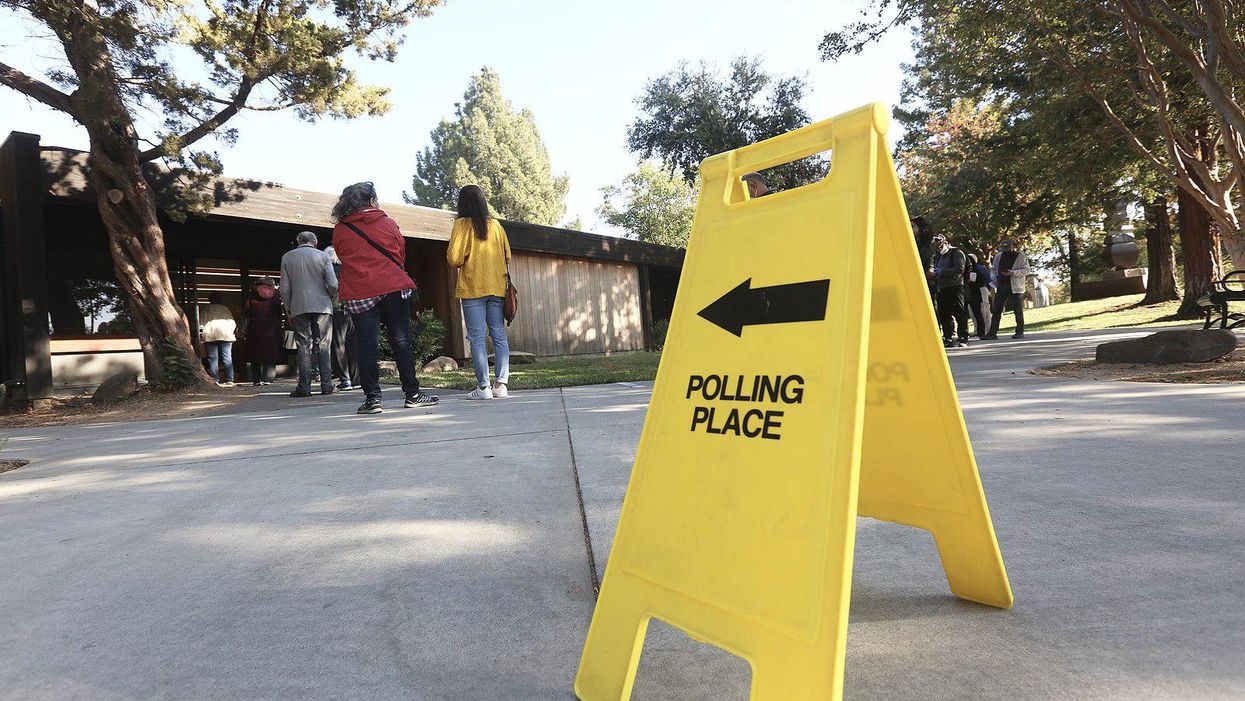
(240, 96)
(208, 125)
(36, 89)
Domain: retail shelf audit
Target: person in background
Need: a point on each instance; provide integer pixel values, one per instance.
(1041, 292)
(756, 185)
(947, 274)
(925, 248)
(980, 282)
(480, 250)
(1010, 269)
(344, 362)
(216, 330)
(308, 288)
(376, 290)
(261, 329)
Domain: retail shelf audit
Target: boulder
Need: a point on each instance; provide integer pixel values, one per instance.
(441, 364)
(516, 358)
(120, 386)
(1169, 347)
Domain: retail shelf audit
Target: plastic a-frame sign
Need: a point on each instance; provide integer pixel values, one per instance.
(803, 383)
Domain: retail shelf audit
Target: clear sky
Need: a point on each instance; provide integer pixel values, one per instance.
(578, 64)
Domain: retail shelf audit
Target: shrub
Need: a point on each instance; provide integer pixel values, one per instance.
(657, 332)
(427, 338)
(178, 371)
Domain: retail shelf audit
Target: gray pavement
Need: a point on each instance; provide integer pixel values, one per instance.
(290, 551)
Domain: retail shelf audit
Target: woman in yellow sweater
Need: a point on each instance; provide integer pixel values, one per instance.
(480, 250)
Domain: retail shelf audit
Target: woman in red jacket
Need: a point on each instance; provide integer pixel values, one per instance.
(376, 289)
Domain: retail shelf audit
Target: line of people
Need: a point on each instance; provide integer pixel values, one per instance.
(336, 301)
(961, 285)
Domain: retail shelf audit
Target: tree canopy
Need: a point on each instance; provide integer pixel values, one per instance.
(1162, 76)
(493, 145)
(694, 112)
(653, 204)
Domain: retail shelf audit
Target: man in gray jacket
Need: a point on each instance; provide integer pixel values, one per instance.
(308, 287)
(1011, 267)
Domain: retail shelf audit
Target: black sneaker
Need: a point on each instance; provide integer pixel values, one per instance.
(962, 343)
(344, 386)
(948, 343)
(370, 406)
(420, 399)
(990, 337)
(1018, 335)
(330, 390)
(300, 393)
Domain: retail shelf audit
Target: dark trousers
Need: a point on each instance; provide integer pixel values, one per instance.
(263, 372)
(1001, 299)
(395, 313)
(311, 333)
(952, 313)
(344, 362)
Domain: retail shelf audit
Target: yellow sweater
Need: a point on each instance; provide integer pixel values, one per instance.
(481, 264)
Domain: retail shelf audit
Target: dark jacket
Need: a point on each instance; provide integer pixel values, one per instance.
(262, 318)
(978, 287)
(949, 268)
(366, 272)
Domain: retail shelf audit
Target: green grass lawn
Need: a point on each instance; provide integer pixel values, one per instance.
(1113, 312)
(562, 372)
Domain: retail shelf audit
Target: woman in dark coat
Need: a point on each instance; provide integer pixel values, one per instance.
(261, 318)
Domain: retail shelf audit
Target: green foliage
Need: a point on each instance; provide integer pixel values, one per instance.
(179, 371)
(658, 333)
(653, 204)
(1001, 138)
(692, 113)
(96, 297)
(427, 338)
(492, 145)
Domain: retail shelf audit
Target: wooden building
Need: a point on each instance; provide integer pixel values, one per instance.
(580, 293)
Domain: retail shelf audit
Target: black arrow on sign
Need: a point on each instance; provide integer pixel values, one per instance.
(780, 304)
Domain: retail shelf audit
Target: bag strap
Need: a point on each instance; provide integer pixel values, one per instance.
(383, 252)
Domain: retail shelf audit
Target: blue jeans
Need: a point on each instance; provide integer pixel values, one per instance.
(220, 354)
(484, 314)
(395, 313)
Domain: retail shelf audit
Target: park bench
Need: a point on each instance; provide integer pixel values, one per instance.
(1230, 288)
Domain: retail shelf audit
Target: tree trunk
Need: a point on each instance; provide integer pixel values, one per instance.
(1200, 244)
(1074, 269)
(1161, 280)
(128, 206)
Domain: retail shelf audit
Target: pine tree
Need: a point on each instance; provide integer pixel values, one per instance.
(492, 145)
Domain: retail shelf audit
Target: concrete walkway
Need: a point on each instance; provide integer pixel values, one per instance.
(440, 554)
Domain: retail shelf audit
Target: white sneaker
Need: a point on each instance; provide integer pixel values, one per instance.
(500, 391)
(480, 393)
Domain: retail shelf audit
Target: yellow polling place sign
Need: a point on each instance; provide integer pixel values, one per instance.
(803, 383)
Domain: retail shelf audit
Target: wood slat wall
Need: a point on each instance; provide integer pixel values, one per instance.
(574, 306)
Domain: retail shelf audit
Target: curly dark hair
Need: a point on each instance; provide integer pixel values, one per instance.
(354, 197)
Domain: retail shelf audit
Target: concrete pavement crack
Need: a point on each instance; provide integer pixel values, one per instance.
(579, 495)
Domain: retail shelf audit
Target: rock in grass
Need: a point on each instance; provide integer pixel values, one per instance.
(516, 358)
(441, 364)
(1170, 347)
(122, 385)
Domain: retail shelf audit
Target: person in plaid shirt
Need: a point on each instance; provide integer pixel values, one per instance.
(376, 289)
